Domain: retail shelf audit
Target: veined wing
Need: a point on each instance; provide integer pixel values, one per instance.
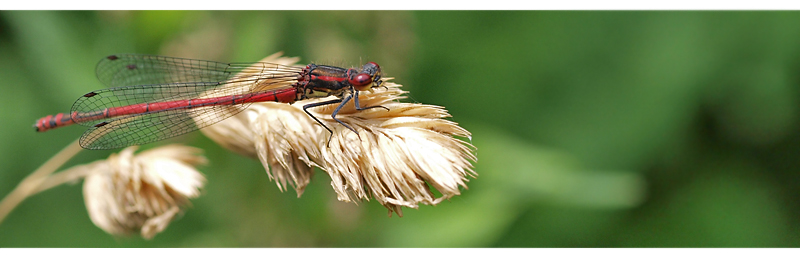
(141, 129)
(135, 69)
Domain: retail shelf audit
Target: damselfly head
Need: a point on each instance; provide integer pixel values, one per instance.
(369, 77)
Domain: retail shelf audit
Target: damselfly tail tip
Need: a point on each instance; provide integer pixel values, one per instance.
(40, 123)
(52, 121)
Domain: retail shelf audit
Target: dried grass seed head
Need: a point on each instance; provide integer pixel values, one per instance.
(142, 193)
(400, 153)
(397, 156)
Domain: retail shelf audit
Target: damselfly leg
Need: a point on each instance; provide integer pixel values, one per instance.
(354, 96)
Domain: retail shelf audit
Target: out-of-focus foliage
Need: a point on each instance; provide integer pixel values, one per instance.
(593, 129)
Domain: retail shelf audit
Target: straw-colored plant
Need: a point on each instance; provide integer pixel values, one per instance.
(125, 193)
(397, 156)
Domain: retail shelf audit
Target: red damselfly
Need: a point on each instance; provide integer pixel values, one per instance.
(152, 98)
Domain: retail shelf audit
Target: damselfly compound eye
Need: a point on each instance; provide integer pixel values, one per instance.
(361, 80)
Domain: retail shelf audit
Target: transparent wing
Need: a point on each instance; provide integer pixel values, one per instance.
(135, 69)
(147, 128)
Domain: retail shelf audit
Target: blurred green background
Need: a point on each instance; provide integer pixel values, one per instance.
(593, 129)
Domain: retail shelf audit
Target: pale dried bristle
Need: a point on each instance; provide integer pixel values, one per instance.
(142, 193)
(400, 154)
